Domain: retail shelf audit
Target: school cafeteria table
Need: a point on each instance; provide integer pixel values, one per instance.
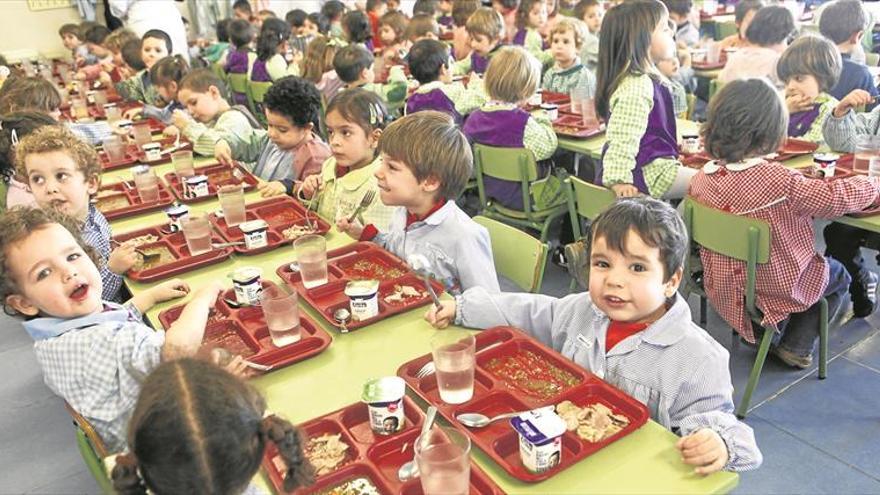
(645, 461)
(592, 147)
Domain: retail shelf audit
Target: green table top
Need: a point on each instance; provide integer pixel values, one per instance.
(592, 147)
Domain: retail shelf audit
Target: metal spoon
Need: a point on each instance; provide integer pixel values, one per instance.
(235, 304)
(420, 265)
(223, 357)
(477, 420)
(410, 469)
(342, 316)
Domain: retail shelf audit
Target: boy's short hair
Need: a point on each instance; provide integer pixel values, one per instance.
(244, 6)
(70, 28)
(425, 7)
(770, 26)
(201, 80)
(580, 10)
(58, 138)
(462, 10)
(513, 75)
(158, 34)
(320, 20)
(240, 33)
(296, 17)
(744, 7)
(119, 37)
(397, 21)
(430, 144)
(222, 30)
(266, 13)
(357, 25)
(654, 221)
(814, 56)
(487, 22)
(96, 34)
(426, 57)
(350, 61)
(333, 9)
(576, 26)
(29, 94)
(131, 54)
(420, 25)
(680, 7)
(842, 19)
(16, 224)
(298, 100)
(747, 117)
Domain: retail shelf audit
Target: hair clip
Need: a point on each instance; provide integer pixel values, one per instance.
(13, 136)
(374, 116)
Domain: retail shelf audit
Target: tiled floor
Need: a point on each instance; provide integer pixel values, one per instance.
(816, 436)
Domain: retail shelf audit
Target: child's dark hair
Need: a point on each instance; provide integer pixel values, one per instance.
(296, 18)
(421, 25)
(372, 4)
(244, 6)
(462, 9)
(29, 94)
(841, 20)
(425, 7)
(580, 10)
(523, 11)
(351, 61)
(96, 34)
(158, 34)
(168, 70)
(70, 28)
(222, 29)
(298, 100)
(770, 26)
(654, 221)
(320, 20)
(273, 33)
(198, 429)
(624, 46)
(507, 4)
(746, 118)
(240, 33)
(811, 55)
(356, 25)
(362, 107)
(333, 10)
(426, 57)
(201, 80)
(398, 23)
(680, 7)
(744, 7)
(131, 55)
(18, 124)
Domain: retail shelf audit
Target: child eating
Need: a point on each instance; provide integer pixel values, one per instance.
(155, 45)
(486, 30)
(810, 67)
(429, 65)
(354, 66)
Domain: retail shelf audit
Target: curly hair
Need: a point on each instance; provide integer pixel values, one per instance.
(57, 138)
(295, 98)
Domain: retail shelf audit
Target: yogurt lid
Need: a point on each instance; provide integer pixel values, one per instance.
(253, 225)
(246, 274)
(140, 169)
(361, 288)
(195, 179)
(539, 426)
(549, 106)
(385, 389)
(826, 157)
(152, 146)
(177, 210)
(690, 136)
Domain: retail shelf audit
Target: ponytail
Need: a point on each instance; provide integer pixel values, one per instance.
(272, 35)
(126, 477)
(288, 441)
(169, 69)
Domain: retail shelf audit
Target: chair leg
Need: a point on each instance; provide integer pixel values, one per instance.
(823, 338)
(755, 374)
(702, 311)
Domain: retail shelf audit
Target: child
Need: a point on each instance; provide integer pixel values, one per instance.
(271, 48)
(132, 63)
(567, 73)
(210, 118)
(392, 30)
(93, 353)
(317, 24)
(768, 36)
(375, 10)
(444, 14)
(486, 30)
(317, 66)
(354, 65)
(641, 153)
(743, 15)
(809, 68)
(669, 67)
(680, 13)
(429, 65)
(333, 11)
(112, 72)
(512, 77)
(421, 27)
(176, 450)
(425, 7)
(461, 41)
(507, 10)
(218, 50)
(634, 331)
(94, 38)
(241, 10)
(356, 29)
(241, 59)
(70, 38)
(355, 119)
(166, 76)
(747, 121)
(842, 23)
(302, 33)
(13, 127)
(426, 163)
(155, 45)
(531, 16)
(290, 150)
(591, 12)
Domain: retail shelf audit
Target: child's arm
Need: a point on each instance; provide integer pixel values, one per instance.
(474, 262)
(246, 149)
(165, 291)
(831, 199)
(394, 90)
(843, 125)
(539, 136)
(276, 67)
(231, 127)
(185, 335)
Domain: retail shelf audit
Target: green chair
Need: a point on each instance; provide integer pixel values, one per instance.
(725, 29)
(518, 256)
(714, 86)
(238, 83)
(256, 94)
(748, 240)
(517, 165)
(872, 59)
(587, 201)
(92, 449)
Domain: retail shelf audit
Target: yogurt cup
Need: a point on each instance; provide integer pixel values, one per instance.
(175, 213)
(536, 98)
(384, 399)
(247, 285)
(699, 55)
(256, 233)
(152, 151)
(124, 124)
(363, 297)
(690, 144)
(540, 439)
(90, 96)
(551, 109)
(825, 163)
(196, 186)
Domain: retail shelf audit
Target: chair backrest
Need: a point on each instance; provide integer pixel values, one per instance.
(586, 200)
(256, 93)
(872, 59)
(725, 29)
(518, 256)
(512, 164)
(91, 449)
(714, 87)
(238, 83)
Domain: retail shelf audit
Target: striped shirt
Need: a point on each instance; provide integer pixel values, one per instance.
(673, 367)
(96, 233)
(840, 133)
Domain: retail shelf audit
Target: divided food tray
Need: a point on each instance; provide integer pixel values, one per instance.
(172, 245)
(789, 149)
(369, 455)
(572, 125)
(361, 260)
(218, 175)
(131, 158)
(709, 65)
(494, 395)
(244, 331)
(122, 200)
(280, 213)
(555, 98)
(167, 143)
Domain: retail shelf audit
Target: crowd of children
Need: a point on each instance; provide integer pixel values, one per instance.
(370, 104)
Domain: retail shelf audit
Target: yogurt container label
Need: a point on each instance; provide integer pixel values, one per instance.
(175, 213)
(152, 151)
(196, 186)
(247, 285)
(255, 233)
(363, 298)
(825, 163)
(540, 439)
(690, 144)
(384, 399)
(551, 109)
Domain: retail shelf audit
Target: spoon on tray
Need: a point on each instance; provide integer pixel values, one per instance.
(477, 420)
(410, 469)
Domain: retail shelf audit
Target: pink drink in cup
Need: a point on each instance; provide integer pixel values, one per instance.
(443, 458)
(146, 182)
(232, 201)
(197, 231)
(453, 353)
(282, 315)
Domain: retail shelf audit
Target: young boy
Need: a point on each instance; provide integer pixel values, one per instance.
(93, 353)
(809, 68)
(301, 35)
(429, 65)
(63, 174)
(242, 58)
(375, 10)
(217, 51)
(486, 30)
(155, 45)
(591, 12)
(679, 13)
(354, 66)
(421, 27)
(461, 41)
(241, 9)
(842, 22)
(768, 37)
(211, 119)
(95, 40)
(634, 331)
(566, 39)
(290, 150)
(426, 162)
(70, 37)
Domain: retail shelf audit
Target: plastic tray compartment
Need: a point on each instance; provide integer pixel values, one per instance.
(572, 126)
(175, 244)
(281, 214)
(218, 175)
(122, 200)
(130, 159)
(792, 147)
(554, 98)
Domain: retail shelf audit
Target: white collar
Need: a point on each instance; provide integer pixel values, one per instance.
(714, 166)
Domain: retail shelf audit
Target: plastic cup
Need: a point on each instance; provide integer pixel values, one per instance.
(147, 183)
(453, 353)
(311, 255)
(713, 52)
(282, 315)
(232, 201)
(197, 231)
(114, 148)
(141, 134)
(79, 109)
(113, 114)
(588, 112)
(443, 458)
(183, 163)
(867, 149)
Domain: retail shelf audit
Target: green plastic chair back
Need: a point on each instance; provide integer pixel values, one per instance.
(714, 86)
(872, 59)
(238, 83)
(4, 190)
(91, 448)
(586, 200)
(725, 29)
(518, 256)
(256, 94)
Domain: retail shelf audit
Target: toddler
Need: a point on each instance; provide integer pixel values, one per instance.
(567, 73)
(272, 47)
(70, 38)
(429, 65)
(155, 45)
(843, 23)
(392, 34)
(375, 10)
(166, 75)
(591, 12)
(485, 27)
(241, 58)
(530, 17)
(767, 36)
(809, 68)
(669, 67)
(354, 66)
(356, 29)
(333, 11)
(317, 24)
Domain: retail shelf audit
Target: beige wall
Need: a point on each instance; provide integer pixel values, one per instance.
(23, 31)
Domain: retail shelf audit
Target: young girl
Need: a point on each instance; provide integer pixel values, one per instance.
(14, 127)
(743, 14)
(746, 120)
(155, 45)
(392, 30)
(356, 26)
(355, 119)
(512, 77)
(767, 36)
(810, 67)
(165, 75)
(240, 59)
(461, 11)
(531, 16)
(591, 12)
(641, 153)
(317, 66)
(197, 428)
(271, 48)
(568, 72)
(333, 11)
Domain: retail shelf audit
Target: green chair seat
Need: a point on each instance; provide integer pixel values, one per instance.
(92, 449)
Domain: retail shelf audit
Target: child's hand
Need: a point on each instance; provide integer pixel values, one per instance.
(181, 119)
(122, 258)
(441, 317)
(168, 290)
(207, 294)
(269, 189)
(625, 190)
(310, 186)
(353, 228)
(797, 102)
(80, 75)
(238, 367)
(855, 98)
(223, 153)
(105, 79)
(705, 449)
(170, 131)
(133, 113)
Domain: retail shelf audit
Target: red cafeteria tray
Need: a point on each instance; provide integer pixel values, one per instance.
(573, 126)
(167, 144)
(554, 98)
(342, 267)
(122, 200)
(131, 158)
(493, 396)
(371, 456)
(709, 65)
(281, 214)
(175, 245)
(789, 149)
(244, 331)
(218, 175)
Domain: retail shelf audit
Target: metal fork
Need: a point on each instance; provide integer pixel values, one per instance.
(365, 202)
(309, 206)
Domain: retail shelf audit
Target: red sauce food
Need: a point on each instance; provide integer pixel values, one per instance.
(531, 374)
(228, 338)
(280, 216)
(371, 270)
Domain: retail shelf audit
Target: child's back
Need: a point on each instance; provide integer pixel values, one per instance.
(767, 35)
(429, 64)
(843, 23)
